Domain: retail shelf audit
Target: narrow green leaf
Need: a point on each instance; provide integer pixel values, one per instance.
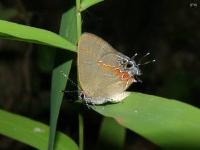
(14, 31)
(68, 31)
(31, 132)
(112, 135)
(168, 123)
(87, 3)
(59, 82)
(68, 25)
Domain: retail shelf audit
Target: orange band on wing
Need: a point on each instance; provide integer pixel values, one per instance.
(122, 75)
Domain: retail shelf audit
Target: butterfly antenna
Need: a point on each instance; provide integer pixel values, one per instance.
(76, 85)
(147, 62)
(142, 58)
(133, 57)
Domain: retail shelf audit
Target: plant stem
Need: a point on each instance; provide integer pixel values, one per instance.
(78, 17)
(81, 132)
(80, 117)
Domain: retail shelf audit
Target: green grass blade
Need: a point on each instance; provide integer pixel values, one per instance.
(68, 25)
(14, 31)
(87, 3)
(168, 123)
(31, 132)
(112, 135)
(68, 31)
(58, 85)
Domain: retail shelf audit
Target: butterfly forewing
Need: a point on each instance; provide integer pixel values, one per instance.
(98, 68)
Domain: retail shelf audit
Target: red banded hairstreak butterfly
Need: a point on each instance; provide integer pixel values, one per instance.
(104, 73)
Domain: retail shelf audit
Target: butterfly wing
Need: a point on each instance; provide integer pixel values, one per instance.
(98, 70)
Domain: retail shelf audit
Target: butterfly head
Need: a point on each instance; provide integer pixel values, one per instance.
(129, 65)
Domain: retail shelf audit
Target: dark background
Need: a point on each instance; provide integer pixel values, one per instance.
(168, 29)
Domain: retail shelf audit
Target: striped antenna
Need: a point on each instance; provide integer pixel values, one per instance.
(76, 85)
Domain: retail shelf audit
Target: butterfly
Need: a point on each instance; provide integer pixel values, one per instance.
(104, 73)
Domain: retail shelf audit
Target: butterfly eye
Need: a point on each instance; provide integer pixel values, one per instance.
(129, 65)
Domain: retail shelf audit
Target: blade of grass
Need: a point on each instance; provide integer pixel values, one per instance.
(68, 25)
(14, 31)
(68, 30)
(58, 85)
(31, 132)
(165, 122)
